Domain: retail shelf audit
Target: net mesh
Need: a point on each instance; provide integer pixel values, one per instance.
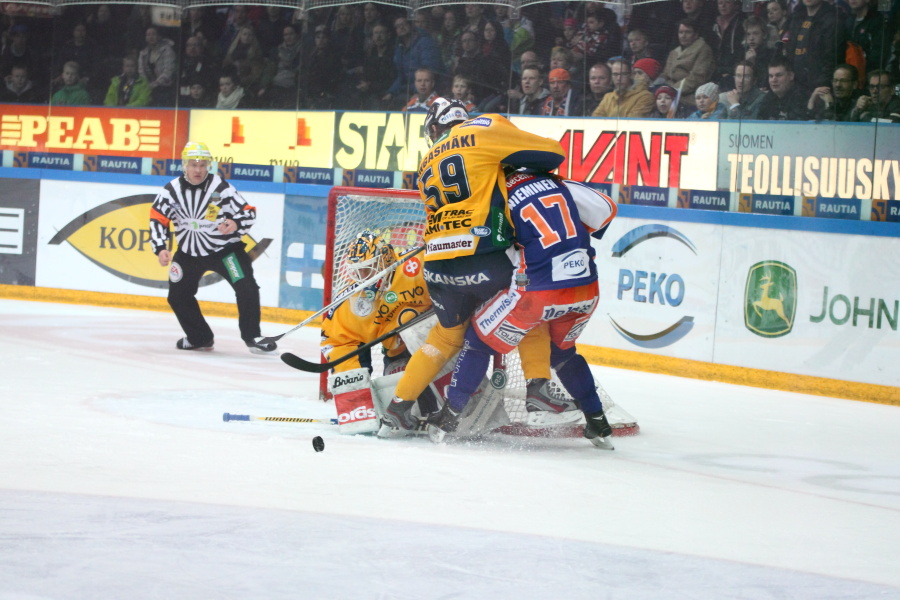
(400, 219)
(398, 216)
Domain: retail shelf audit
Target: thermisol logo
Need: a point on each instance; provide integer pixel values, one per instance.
(649, 287)
(770, 298)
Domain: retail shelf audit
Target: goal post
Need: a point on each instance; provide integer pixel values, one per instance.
(398, 216)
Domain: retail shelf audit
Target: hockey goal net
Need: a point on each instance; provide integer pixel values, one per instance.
(398, 216)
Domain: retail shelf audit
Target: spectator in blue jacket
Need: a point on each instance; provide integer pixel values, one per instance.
(415, 49)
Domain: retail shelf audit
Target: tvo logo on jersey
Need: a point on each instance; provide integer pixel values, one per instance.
(650, 287)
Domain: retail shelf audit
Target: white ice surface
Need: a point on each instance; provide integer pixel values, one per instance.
(119, 479)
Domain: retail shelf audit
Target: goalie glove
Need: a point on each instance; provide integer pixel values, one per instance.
(353, 401)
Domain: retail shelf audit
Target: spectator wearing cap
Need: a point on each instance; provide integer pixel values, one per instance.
(666, 107)
(563, 101)
(706, 99)
(629, 98)
(569, 34)
(647, 70)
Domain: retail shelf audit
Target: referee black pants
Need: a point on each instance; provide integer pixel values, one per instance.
(234, 265)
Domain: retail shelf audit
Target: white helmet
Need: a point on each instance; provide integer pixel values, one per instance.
(444, 114)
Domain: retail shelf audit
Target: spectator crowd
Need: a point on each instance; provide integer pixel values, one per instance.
(692, 59)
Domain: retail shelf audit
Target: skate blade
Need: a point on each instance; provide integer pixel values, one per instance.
(260, 351)
(436, 434)
(386, 431)
(603, 443)
(543, 418)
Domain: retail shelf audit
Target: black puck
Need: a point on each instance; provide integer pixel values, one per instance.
(318, 444)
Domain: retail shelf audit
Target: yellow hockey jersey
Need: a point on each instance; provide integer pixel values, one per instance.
(368, 315)
(462, 183)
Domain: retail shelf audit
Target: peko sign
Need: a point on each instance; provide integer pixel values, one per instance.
(151, 133)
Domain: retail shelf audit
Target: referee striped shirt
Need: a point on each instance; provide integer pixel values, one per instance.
(194, 211)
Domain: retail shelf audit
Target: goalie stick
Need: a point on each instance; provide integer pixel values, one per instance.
(230, 417)
(343, 296)
(292, 360)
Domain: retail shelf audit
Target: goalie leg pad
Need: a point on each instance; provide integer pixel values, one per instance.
(353, 401)
(471, 366)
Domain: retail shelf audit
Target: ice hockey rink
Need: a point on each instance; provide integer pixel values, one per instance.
(119, 479)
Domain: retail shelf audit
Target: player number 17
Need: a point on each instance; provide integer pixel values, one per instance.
(548, 236)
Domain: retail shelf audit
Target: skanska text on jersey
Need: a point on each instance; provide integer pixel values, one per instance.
(458, 280)
(461, 141)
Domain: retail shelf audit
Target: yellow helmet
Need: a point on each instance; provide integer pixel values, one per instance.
(195, 151)
(367, 255)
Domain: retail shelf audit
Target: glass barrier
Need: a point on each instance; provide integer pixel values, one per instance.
(739, 64)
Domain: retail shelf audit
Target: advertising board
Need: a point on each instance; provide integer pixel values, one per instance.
(820, 304)
(140, 133)
(96, 237)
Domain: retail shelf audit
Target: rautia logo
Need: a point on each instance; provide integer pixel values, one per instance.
(770, 298)
(360, 413)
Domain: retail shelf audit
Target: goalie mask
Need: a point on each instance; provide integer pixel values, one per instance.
(442, 115)
(368, 255)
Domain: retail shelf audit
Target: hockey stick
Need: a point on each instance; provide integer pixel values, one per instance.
(230, 417)
(292, 360)
(343, 296)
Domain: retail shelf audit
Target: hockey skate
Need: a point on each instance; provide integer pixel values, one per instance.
(399, 419)
(446, 422)
(547, 406)
(540, 395)
(184, 344)
(257, 346)
(598, 430)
